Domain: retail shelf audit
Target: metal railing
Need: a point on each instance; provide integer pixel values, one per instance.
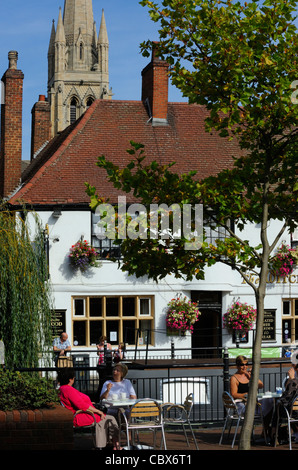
(172, 380)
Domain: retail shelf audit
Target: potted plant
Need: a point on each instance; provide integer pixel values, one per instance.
(82, 255)
(240, 316)
(182, 313)
(284, 261)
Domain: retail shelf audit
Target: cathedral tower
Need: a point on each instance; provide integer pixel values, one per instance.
(78, 63)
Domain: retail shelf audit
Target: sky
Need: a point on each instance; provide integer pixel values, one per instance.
(25, 27)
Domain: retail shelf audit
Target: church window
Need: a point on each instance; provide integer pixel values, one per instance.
(89, 102)
(81, 51)
(73, 110)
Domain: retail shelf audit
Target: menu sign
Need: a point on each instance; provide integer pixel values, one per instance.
(269, 327)
(58, 323)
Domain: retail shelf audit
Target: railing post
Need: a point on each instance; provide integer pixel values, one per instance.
(172, 349)
(226, 374)
(105, 351)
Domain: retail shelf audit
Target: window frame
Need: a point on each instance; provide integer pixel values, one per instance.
(105, 318)
(291, 318)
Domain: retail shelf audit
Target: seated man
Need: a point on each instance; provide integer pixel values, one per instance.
(60, 346)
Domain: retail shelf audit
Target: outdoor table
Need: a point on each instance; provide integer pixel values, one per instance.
(270, 395)
(126, 403)
(266, 395)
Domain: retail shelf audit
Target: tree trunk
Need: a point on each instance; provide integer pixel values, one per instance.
(247, 428)
(260, 293)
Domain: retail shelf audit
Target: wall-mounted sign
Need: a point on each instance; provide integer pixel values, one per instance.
(58, 322)
(269, 328)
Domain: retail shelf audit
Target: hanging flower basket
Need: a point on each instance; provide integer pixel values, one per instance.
(283, 263)
(182, 314)
(239, 316)
(82, 255)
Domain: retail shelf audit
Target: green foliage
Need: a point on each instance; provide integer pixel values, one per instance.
(25, 391)
(25, 298)
(238, 59)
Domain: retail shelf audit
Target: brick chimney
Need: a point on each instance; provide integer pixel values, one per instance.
(41, 125)
(155, 86)
(11, 127)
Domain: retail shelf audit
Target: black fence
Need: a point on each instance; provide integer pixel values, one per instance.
(171, 380)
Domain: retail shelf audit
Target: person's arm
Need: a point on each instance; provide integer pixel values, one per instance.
(106, 390)
(131, 391)
(291, 373)
(96, 411)
(260, 383)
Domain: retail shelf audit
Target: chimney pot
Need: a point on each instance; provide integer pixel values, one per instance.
(13, 59)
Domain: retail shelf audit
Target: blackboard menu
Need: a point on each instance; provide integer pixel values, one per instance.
(269, 327)
(58, 322)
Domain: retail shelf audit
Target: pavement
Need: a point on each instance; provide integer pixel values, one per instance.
(207, 439)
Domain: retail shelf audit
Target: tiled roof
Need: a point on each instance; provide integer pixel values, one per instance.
(58, 173)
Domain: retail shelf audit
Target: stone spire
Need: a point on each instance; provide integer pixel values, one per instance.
(77, 63)
(103, 33)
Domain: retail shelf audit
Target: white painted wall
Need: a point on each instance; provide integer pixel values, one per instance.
(72, 225)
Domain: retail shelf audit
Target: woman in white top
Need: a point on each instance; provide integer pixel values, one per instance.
(118, 384)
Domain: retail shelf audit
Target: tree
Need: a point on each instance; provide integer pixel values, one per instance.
(25, 298)
(239, 61)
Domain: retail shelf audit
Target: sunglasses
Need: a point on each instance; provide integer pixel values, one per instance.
(243, 364)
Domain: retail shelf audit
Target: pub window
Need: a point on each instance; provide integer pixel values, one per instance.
(120, 318)
(289, 320)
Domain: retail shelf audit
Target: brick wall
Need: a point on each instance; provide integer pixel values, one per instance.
(44, 429)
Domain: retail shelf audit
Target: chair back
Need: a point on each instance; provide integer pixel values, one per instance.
(229, 403)
(294, 405)
(188, 404)
(145, 409)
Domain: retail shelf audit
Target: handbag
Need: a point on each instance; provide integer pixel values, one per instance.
(100, 407)
(64, 362)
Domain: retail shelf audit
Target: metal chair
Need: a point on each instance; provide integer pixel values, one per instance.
(145, 414)
(89, 428)
(181, 416)
(233, 413)
(285, 415)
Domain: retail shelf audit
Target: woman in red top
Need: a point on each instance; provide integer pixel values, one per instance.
(75, 400)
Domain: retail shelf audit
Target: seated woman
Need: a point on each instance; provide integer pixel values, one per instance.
(74, 400)
(239, 382)
(239, 386)
(119, 384)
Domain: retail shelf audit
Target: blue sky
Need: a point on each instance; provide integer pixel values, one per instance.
(25, 26)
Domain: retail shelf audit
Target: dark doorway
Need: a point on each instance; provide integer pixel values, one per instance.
(207, 330)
